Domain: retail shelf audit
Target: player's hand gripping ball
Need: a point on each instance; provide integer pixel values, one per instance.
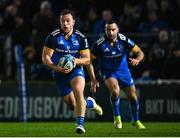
(67, 62)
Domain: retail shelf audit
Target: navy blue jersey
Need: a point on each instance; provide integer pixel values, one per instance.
(74, 45)
(112, 58)
(61, 46)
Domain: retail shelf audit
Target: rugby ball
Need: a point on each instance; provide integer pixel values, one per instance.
(66, 62)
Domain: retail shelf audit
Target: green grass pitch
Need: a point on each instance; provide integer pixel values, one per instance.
(93, 129)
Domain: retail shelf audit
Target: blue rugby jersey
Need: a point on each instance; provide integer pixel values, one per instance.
(74, 45)
(112, 58)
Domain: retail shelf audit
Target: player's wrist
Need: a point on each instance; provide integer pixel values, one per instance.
(138, 60)
(74, 62)
(54, 67)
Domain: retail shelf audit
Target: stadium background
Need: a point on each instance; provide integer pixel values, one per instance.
(154, 25)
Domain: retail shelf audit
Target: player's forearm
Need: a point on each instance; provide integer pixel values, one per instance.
(82, 61)
(140, 55)
(90, 70)
(47, 61)
(138, 52)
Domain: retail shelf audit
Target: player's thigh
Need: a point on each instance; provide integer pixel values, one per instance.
(63, 85)
(78, 84)
(131, 93)
(113, 85)
(70, 100)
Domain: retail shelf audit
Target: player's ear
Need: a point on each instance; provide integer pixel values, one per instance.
(117, 29)
(74, 22)
(105, 29)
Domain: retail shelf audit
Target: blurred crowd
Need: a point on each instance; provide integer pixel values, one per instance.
(152, 24)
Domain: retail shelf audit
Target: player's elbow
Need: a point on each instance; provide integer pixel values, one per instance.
(44, 60)
(82, 61)
(87, 61)
(43, 57)
(142, 54)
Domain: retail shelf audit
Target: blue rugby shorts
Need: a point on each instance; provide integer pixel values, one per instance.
(124, 77)
(63, 80)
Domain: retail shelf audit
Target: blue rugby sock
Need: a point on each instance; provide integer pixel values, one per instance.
(115, 103)
(135, 111)
(80, 120)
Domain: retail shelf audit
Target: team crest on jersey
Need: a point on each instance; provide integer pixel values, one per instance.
(120, 47)
(68, 47)
(113, 52)
(75, 43)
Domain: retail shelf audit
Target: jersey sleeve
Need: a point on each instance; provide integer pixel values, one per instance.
(95, 50)
(127, 41)
(83, 44)
(130, 43)
(49, 41)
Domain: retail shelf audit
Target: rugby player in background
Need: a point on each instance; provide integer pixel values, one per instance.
(111, 51)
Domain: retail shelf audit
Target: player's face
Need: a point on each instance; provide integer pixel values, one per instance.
(111, 31)
(67, 23)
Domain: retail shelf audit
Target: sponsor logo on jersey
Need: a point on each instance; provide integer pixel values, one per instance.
(113, 56)
(67, 51)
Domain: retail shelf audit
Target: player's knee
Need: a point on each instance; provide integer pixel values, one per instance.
(132, 98)
(115, 94)
(81, 101)
(114, 90)
(79, 95)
